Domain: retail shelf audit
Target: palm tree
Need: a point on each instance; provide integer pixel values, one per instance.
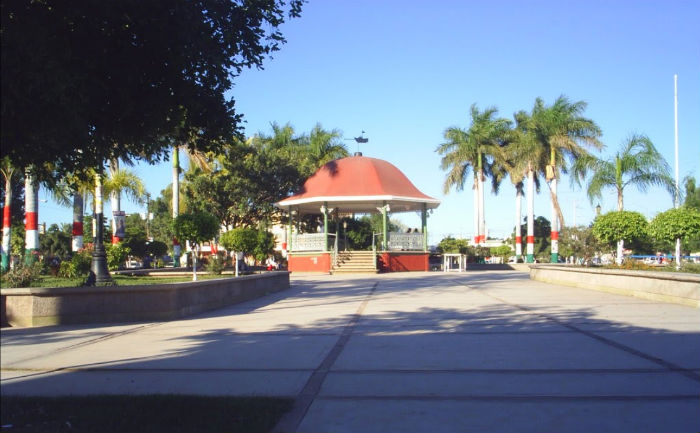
(636, 163)
(8, 172)
(512, 164)
(325, 146)
(196, 158)
(473, 149)
(565, 135)
(523, 156)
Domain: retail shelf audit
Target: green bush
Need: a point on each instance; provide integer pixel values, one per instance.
(78, 266)
(116, 255)
(21, 275)
(215, 265)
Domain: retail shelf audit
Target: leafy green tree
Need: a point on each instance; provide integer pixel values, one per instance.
(56, 242)
(358, 233)
(176, 62)
(503, 251)
(623, 225)
(692, 193)
(116, 255)
(241, 239)
(195, 227)
(580, 243)
(136, 236)
(452, 245)
(247, 179)
(681, 223)
(637, 163)
(264, 245)
(541, 229)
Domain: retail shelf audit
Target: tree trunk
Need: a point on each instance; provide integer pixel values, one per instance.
(115, 201)
(77, 243)
(518, 230)
(621, 242)
(476, 211)
(176, 202)
(31, 218)
(482, 217)
(530, 216)
(7, 224)
(555, 223)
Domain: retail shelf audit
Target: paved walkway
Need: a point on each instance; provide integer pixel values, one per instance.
(414, 352)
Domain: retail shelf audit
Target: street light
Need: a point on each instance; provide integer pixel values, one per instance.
(597, 210)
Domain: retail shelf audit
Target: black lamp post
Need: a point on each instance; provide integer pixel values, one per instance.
(99, 274)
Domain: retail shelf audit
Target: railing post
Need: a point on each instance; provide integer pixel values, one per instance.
(324, 211)
(424, 222)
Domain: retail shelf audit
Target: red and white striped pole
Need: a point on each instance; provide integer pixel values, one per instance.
(77, 243)
(476, 212)
(6, 228)
(31, 218)
(518, 230)
(530, 216)
(555, 225)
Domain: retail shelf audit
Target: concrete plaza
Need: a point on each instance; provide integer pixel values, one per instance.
(403, 352)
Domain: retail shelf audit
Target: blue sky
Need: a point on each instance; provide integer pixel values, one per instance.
(404, 71)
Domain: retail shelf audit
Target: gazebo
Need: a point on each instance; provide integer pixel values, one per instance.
(358, 185)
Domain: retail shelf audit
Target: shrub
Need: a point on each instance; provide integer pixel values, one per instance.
(216, 264)
(21, 275)
(116, 255)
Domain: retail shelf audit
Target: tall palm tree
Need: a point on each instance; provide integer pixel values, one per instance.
(566, 136)
(523, 156)
(8, 172)
(325, 146)
(636, 163)
(512, 164)
(473, 149)
(195, 158)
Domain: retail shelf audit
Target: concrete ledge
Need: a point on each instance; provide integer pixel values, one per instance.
(656, 286)
(64, 305)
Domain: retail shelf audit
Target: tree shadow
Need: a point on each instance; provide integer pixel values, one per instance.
(389, 335)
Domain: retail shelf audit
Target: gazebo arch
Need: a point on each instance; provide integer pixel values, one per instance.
(358, 184)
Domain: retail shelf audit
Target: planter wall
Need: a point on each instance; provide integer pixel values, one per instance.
(656, 286)
(64, 305)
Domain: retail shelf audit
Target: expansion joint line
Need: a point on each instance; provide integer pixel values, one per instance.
(291, 420)
(690, 374)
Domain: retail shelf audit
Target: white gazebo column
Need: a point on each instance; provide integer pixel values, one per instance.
(424, 223)
(289, 232)
(385, 233)
(324, 211)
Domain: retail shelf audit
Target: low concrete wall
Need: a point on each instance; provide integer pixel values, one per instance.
(63, 305)
(656, 286)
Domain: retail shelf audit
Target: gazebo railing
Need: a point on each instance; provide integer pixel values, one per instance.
(313, 242)
(401, 241)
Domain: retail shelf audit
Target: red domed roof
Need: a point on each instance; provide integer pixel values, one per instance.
(359, 184)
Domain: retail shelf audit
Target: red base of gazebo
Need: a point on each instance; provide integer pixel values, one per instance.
(402, 261)
(311, 262)
(393, 261)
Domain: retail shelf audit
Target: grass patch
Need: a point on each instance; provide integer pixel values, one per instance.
(142, 413)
